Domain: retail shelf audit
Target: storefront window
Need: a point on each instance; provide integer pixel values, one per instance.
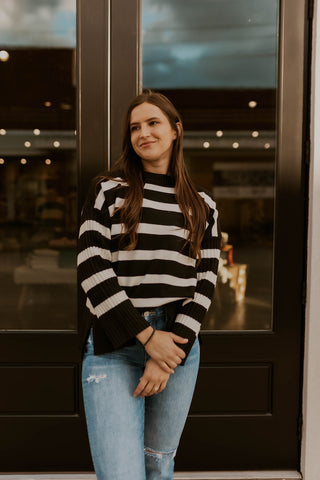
(38, 180)
(217, 61)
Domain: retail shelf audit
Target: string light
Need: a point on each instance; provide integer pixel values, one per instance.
(1, 161)
(219, 133)
(27, 144)
(235, 145)
(23, 161)
(253, 104)
(56, 144)
(47, 104)
(36, 131)
(255, 134)
(206, 144)
(3, 131)
(47, 161)
(267, 145)
(4, 56)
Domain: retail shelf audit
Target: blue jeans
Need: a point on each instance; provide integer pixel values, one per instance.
(134, 438)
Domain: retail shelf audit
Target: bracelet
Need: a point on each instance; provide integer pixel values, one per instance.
(153, 332)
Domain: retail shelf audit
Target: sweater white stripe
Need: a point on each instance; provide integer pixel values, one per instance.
(202, 300)
(210, 253)
(92, 225)
(157, 279)
(97, 278)
(98, 204)
(92, 252)
(151, 302)
(118, 204)
(105, 186)
(188, 322)
(159, 188)
(215, 226)
(209, 275)
(110, 303)
(153, 229)
(131, 255)
(208, 200)
(169, 207)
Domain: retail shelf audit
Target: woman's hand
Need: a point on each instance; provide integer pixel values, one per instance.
(154, 380)
(163, 349)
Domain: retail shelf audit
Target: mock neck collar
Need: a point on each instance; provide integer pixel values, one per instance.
(158, 179)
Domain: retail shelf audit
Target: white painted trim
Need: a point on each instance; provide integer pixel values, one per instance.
(310, 458)
(245, 475)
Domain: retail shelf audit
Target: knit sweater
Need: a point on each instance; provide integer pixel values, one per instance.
(119, 284)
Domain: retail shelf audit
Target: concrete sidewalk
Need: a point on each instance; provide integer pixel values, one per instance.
(252, 475)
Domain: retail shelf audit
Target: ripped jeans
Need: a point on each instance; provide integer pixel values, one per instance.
(133, 438)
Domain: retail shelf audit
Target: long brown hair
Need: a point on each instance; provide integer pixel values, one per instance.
(193, 207)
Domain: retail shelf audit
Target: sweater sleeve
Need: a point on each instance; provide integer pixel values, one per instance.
(189, 318)
(106, 299)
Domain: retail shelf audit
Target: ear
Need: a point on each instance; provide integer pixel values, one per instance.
(179, 127)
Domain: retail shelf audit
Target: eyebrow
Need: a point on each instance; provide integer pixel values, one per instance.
(148, 120)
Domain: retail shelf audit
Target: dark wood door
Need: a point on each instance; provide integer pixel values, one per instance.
(65, 89)
(246, 409)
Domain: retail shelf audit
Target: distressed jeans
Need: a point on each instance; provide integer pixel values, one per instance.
(133, 438)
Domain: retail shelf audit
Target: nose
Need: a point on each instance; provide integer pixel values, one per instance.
(144, 131)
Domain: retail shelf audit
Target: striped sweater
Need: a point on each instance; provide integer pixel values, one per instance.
(119, 284)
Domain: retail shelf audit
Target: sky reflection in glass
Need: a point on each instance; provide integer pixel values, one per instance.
(209, 43)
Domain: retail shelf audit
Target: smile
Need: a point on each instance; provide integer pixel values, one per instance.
(146, 144)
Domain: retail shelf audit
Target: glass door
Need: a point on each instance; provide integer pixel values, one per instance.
(51, 55)
(228, 68)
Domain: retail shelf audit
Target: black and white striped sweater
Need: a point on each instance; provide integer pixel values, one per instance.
(120, 283)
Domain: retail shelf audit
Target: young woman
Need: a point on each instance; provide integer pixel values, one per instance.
(148, 259)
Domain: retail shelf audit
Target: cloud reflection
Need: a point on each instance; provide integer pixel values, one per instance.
(38, 23)
(209, 43)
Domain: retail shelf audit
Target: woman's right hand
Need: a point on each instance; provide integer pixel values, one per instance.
(164, 350)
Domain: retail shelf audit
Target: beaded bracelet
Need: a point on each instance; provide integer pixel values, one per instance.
(153, 332)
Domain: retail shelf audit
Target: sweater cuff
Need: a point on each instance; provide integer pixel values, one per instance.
(184, 332)
(123, 324)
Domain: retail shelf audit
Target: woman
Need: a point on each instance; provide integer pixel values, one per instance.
(148, 258)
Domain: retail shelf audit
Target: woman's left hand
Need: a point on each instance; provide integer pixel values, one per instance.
(154, 380)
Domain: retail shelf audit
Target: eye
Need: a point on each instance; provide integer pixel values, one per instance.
(154, 122)
(134, 128)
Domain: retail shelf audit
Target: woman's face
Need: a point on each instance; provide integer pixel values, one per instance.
(152, 137)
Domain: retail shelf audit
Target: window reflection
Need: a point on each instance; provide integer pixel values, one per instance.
(217, 61)
(38, 181)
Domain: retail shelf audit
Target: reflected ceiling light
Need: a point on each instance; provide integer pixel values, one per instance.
(219, 133)
(36, 131)
(65, 106)
(1, 161)
(47, 104)
(4, 56)
(267, 145)
(27, 144)
(235, 145)
(56, 144)
(255, 134)
(253, 104)
(206, 144)
(47, 161)
(3, 131)
(23, 161)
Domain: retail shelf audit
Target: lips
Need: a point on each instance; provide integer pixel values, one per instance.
(146, 144)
